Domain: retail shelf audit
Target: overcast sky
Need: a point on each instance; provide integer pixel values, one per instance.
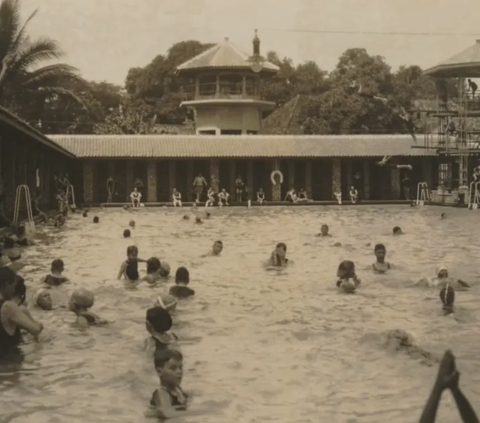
(104, 38)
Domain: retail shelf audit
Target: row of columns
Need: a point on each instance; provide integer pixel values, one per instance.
(88, 177)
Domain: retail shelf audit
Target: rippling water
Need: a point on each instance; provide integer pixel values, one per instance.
(259, 345)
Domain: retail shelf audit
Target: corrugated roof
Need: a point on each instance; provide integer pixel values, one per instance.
(464, 64)
(236, 146)
(284, 120)
(223, 55)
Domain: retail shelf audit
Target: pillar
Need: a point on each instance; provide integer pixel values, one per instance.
(308, 178)
(366, 180)
(277, 188)
(111, 169)
(250, 176)
(336, 175)
(152, 181)
(427, 172)
(232, 176)
(190, 178)
(291, 174)
(214, 174)
(395, 183)
(88, 181)
(172, 178)
(130, 178)
(349, 173)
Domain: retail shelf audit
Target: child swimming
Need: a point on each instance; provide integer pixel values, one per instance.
(380, 266)
(443, 280)
(80, 303)
(447, 296)
(42, 299)
(397, 230)
(278, 257)
(153, 270)
(170, 400)
(324, 231)
(347, 278)
(127, 233)
(55, 278)
(182, 279)
(96, 219)
(129, 268)
(167, 301)
(131, 223)
(158, 322)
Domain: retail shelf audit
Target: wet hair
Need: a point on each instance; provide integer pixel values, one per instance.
(131, 223)
(20, 290)
(186, 217)
(126, 233)
(282, 246)
(159, 318)
(346, 268)
(182, 275)
(132, 249)
(153, 265)
(7, 277)
(8, 243)
(96, 219)
(198, 220)
(57, 264)
(325, 226)
(164, 355)
(20, 230)
(85, 214)
(208, 214)
(397, 230)
(219, 242)
(379, 247)
(447, 296)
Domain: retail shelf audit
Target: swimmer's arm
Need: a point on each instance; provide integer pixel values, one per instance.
(141, 260)
(430, 411)
(464, 408)
(22, 318)
(164, 408)
(463, 283)
(121, 272)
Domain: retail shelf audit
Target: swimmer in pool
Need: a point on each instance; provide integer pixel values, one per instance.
(10, 250)
(129, 268)
(21, 238)
(85, 214)
(96, 219)
(198, 220)
(443, 216)
(153, 270)
(182, 279)
(55, 278)
(167, 302)
(447, 296)
(127, 233)
(443, 279)
(397, 230)
(324, 231)
(278, 257)
(158, 322)
(186, 217)
(132, 223)
(347, 278)
(42, 299)
(380, 266)
(216, 249)
(170, 400)
(80, 303)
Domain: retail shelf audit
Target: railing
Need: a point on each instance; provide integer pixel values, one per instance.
(226, 90)
(422, 194)
(30, 224)
(473, 192)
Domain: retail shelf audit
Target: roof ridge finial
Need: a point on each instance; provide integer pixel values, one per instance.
(256, 44)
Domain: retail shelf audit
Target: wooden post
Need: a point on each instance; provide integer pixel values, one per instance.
(366, 179)
(395, 183)
(152, 181)
(87, 181)
(308, 178)
(172, 180)
(232, 176)
(336, 175)
(426, 172)
(349, 173)
(250, 176)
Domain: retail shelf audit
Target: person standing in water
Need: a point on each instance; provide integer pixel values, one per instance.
(199, 184)
(380, 266)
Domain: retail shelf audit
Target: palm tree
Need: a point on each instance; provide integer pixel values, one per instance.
(22, 79)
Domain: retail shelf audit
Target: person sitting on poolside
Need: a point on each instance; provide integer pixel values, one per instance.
(291, 196)
(176, 198)
(302, 195)
(129, 268)
(443, 280)
(338, 195)
(324, 231)
(278, 257)
(55, 278)
(182, 279)
(353, 195)
(80, 303)
(397, 230)
(380, 266)
(223, 198)
(210, 198)
(260, 196)
(170, 401)
(135, 197)
(347, 278)
(158, 323)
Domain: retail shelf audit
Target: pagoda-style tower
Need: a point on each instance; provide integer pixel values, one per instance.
(224, 89)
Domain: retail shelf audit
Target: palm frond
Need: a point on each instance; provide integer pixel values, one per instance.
(52, 74)
(49, 91)
(22, 37)
(9, 24)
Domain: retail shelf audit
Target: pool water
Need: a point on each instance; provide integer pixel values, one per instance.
(259, 345)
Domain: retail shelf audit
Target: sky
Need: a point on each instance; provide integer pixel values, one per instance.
(105, 38)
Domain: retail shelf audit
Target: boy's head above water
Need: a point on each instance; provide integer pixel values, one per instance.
(169, 366)
(198, 220)
(397, 230)
(182, 276)
(131, 223)
(281, 249)
(158, 320)
(442, 273)
(57, 266)
(81, 299)
(43, 299)
(96, 219)
(186, 217)
(132, 252)
(217, 247)
(126, 233)
(153, 265)
(346, 269)
(324, 230)
(380, 252)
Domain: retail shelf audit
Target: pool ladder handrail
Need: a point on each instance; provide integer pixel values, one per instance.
(71, 191)
(473, 189)
(422, 193)
(30, 224)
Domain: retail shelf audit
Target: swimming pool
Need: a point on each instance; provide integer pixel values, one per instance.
(259, 345)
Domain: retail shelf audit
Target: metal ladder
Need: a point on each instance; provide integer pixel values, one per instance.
(473, 192)
(70, 191)
(422, 194)
(30, 224)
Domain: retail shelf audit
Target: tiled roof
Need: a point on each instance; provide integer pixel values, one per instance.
(223, 55)
(284, 120)
(236, 146)
(466, 64)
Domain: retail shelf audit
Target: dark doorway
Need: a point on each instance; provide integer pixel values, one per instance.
(262, 170)
(380, 177)
(163, 182)
(100, 176)
(322, 180)
(300, 174)
(181, 176)
(284, 168)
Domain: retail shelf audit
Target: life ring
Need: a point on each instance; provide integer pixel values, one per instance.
(275, 173)
(38, 178)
